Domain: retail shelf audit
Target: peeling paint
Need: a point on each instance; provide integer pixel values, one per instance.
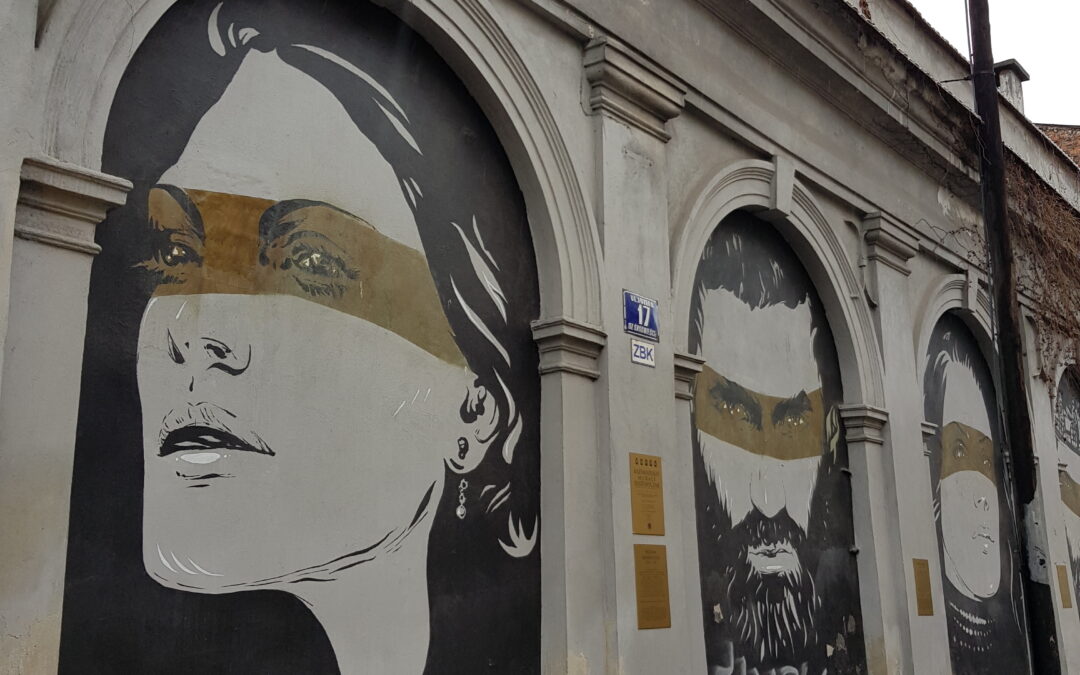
(577, 664)
(32, 651)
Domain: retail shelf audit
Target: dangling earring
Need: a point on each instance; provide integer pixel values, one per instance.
(462, 447)
(462, 486)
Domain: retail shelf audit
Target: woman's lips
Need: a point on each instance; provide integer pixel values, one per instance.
(203, 433)
(200, 444)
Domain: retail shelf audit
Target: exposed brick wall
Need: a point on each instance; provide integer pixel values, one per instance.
(1066, 137)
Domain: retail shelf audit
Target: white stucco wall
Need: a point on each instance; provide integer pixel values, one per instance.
(692, 112)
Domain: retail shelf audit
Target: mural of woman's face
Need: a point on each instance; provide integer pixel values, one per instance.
(294, 360)
(1067, 424)
(970, 512)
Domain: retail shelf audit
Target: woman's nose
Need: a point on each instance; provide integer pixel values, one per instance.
(209, 352)
(221, 356)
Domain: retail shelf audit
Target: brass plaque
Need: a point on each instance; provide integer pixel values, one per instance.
(646, 494)
(924, 599)
(1063, 587)
(650, 578)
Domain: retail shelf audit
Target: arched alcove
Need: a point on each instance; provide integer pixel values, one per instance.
(750, 185)
(92, 43)
(954, 293)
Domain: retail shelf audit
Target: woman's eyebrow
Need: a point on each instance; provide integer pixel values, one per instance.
(313, 234)
(275, 221)
(193, 217)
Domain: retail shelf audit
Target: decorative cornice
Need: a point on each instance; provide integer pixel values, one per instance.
(782, 186)
(630, 88)
(888, 243)
(687, 367)
(864, 423)
(61, 204)
(568, 346)
(929, 431)
(44, 12)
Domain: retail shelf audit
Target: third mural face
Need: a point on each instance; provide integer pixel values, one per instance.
(972, 506)
(1067, 426)
(779, 582)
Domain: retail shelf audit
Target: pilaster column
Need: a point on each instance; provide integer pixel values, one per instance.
(577, 621)
(897, 525)
(1045, 516)
(59, 206)
(633, 101)
(629, 88)
(687, 368)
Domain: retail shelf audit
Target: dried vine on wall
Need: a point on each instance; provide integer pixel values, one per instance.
(1046, 238)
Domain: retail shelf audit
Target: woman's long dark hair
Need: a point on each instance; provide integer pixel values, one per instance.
(953, 342)
(485, 603)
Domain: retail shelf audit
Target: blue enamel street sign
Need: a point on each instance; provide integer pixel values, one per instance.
(639, 316)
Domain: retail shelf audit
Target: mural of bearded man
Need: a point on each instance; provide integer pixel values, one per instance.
(779, 583)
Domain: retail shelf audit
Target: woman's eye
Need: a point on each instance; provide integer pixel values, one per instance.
(318, 263)
(178, 254)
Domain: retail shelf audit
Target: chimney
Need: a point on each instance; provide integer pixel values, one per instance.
(1011, 77)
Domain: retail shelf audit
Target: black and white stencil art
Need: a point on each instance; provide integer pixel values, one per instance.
(779, 583)
(973, 507)
(309, 433)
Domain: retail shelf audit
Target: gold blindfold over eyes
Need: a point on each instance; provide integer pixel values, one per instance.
(211, 242)
(781, 428)
(1070, 492)
(966, 449)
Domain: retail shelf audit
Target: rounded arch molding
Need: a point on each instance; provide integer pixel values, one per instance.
(92, 42)
(961, 294)
(753, 185)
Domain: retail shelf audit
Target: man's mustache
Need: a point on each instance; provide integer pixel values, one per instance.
(773, 614)
(757, 529)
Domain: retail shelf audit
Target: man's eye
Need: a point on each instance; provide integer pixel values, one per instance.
(736, 410)
(178, 254)
(793, 421)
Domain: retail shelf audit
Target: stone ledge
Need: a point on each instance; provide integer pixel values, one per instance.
(864, 423)
(568, 346)
(888, 243)
(687, 367)
(61, 204)
(630, 88)
(929, 431)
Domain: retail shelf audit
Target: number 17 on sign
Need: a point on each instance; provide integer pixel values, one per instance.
(639, 316)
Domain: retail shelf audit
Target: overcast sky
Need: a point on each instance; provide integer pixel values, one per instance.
(1043, 35)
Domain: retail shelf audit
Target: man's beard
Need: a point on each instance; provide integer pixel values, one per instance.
(772, 606)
